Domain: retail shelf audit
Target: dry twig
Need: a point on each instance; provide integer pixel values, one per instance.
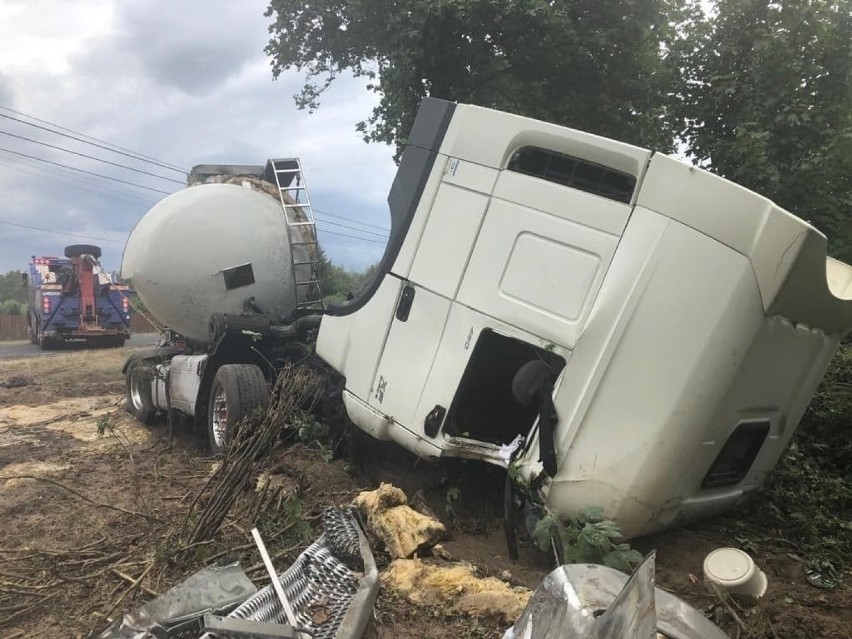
(97, 504)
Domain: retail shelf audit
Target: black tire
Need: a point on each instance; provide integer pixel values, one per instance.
(48, 343)
(33, 326)
(238, 390)
(76, 250)
(137, 392)
(113, 341)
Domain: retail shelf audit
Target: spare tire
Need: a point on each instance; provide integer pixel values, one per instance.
(76, 250)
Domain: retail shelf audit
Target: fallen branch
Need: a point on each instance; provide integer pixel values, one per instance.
(13, 617)
(724, 599)
(127, 577)
(254, 438)
(97, 504)
(133, 586)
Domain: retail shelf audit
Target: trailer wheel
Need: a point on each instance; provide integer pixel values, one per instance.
(76, 250)
(238, 390)
(137, 385)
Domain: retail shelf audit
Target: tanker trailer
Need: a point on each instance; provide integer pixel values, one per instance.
(225, 265)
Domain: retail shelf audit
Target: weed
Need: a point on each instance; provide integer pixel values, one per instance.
(289, 521)
(313, 432)
(307, 427)
(587, 538)
(104, 424)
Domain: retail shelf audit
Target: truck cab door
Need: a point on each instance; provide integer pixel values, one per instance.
(412, 342)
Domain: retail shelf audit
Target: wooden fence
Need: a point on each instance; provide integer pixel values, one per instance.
(14, 327)
(140, 324)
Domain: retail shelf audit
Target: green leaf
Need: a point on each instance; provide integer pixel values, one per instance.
(546, 530)
(591, 514)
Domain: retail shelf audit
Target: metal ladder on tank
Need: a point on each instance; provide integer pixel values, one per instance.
(301, 232)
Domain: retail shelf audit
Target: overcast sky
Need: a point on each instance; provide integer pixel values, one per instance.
(184, 82)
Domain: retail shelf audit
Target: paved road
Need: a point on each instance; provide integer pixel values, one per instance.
(25, 349)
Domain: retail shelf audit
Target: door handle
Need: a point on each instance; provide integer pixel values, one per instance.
(405, 302)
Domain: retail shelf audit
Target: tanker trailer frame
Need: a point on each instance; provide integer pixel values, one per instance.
(621, 329)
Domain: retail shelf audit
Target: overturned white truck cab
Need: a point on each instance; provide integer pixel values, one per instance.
(626, 331)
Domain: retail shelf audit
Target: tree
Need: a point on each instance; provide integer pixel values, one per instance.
(13, 307)
(11, 289)
(766, 101)
(337, 282)
(596, 65)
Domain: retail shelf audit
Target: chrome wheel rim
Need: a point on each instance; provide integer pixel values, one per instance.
(137, 390)
(220, 417)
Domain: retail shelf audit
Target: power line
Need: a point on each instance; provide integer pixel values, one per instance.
(36, 228)
(351, 219)
(91, 157)
(353, 228)
(364, 239)
(73, 168)
(101, 192)
(69, 176)
(136, 154)
(100, 146)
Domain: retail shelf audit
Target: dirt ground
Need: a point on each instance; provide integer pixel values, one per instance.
(93, 508)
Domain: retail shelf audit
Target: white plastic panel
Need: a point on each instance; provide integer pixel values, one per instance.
(448, 239)
(537, 271)
(470, 176)
(408, 250)
(644, 385)
(352, 344)
(839, 277)
(490, 137)
(572, 204)
(562, 297)
(407, 357)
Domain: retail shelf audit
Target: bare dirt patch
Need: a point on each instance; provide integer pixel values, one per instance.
(93, 501)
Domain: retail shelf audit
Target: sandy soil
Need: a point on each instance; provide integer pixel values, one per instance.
(91, 501)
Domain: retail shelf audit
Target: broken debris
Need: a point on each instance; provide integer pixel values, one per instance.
(458, 586)
(403, 530)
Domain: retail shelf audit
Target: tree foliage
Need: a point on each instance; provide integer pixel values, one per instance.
(12, 307)
(11, 289)
(591, 64)
(766, 101)
(338, 282)
(758, 91)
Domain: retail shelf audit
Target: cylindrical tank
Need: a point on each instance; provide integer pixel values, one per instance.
(208, 249)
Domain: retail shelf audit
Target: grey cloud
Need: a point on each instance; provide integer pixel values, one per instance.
(6, 94)
(49, 199)
(183, 45)
(131, 87)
